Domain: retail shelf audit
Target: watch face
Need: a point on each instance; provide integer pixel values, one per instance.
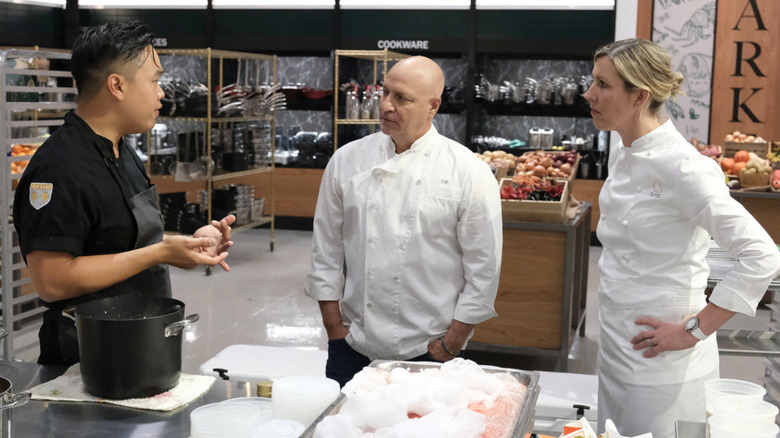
(692, 323)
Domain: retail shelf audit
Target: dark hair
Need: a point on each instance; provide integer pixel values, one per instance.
(105, 49)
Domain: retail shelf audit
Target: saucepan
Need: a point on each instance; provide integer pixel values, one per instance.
(130, 345)
(8, 400)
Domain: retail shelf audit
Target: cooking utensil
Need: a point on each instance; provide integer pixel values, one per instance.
(8, 401)
(130, 345)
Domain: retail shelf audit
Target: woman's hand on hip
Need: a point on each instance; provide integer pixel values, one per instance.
(662, 337)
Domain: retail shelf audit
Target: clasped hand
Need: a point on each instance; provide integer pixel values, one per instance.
(207, 246)
(662, 337)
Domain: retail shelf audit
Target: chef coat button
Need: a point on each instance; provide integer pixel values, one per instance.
(609, 180)
(638, 189)
(369, 305)
(625, 223)
(603, 216)
(419, 181)
(396, 278)
(626, 256)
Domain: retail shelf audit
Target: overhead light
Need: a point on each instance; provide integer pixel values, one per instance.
(143, 4)
(273, 4)
(51, 3)
(547, 4)
(405, 4)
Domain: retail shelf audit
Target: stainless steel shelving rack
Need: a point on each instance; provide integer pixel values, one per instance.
(220, 56)
(753, 343)
(25, 106)
(380, 60)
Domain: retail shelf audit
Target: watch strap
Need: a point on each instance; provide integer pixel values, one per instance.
(698, 334)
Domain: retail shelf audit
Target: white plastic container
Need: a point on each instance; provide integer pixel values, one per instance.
(744, 407)
(725, 426)
(263, 404)
(732, 388)
(302, 398)
(223, 420)
(277, 429)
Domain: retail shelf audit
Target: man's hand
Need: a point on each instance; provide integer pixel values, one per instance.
(190, 252)
(454, 339)
(220, 232)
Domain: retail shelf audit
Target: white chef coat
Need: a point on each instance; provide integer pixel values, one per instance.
(419, 235)
(659, 206)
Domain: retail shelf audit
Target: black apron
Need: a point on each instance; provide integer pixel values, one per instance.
(58, 338)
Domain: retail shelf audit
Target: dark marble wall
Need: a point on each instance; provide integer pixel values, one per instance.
(317, 72)
(497, 71)
(314, 72)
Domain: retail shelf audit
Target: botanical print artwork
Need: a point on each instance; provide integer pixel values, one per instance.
(686, 29)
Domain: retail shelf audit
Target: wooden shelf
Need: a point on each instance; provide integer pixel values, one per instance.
(214, 119)
(357, 121)
(229, 175)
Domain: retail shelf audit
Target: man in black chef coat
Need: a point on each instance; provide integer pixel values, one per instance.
(86, 212)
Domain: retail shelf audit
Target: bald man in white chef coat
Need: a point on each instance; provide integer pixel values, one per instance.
(407, 235)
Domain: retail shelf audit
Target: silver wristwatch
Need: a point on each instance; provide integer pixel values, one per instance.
(692, 327)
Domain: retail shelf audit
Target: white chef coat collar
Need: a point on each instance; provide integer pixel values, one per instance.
(392, 159)
(648, 141)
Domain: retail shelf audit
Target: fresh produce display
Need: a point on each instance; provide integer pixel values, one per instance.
(755, 172)
(732, 166)
(498, 159)
(712, 151)
(21, 150)
(539, 191)
(739, 137)
(546, 165)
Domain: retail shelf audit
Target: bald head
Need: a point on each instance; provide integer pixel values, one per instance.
(425, 72)
(411, 97)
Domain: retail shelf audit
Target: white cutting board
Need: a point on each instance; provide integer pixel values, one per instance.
(258, 363)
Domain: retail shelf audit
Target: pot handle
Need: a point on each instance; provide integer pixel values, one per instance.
(66, 312)
(174, 328)
(14, 400)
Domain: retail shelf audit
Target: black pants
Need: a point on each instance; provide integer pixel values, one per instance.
(344, 362)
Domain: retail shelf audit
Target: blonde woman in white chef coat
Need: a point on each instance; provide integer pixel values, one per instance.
(660, 205)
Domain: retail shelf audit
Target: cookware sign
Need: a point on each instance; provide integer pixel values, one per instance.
(403, 44)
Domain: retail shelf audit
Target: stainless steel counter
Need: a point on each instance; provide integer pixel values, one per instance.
(690, 429)
(92, 420)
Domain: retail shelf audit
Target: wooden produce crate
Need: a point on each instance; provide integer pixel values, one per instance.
(536, 211)
(574, 166)
(748, 180)
(730, 148)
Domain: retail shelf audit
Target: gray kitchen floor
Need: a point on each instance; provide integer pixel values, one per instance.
(261, 302)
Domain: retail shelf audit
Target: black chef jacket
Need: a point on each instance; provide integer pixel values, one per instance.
(68, 200)
(86, 213)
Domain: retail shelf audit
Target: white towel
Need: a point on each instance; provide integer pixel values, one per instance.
(69, 387)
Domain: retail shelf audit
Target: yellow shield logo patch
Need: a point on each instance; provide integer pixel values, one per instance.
(40, 194)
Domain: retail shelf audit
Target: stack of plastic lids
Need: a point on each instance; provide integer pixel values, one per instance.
(263, 404)
(222, 420)
(303, 398)
(277, 428)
